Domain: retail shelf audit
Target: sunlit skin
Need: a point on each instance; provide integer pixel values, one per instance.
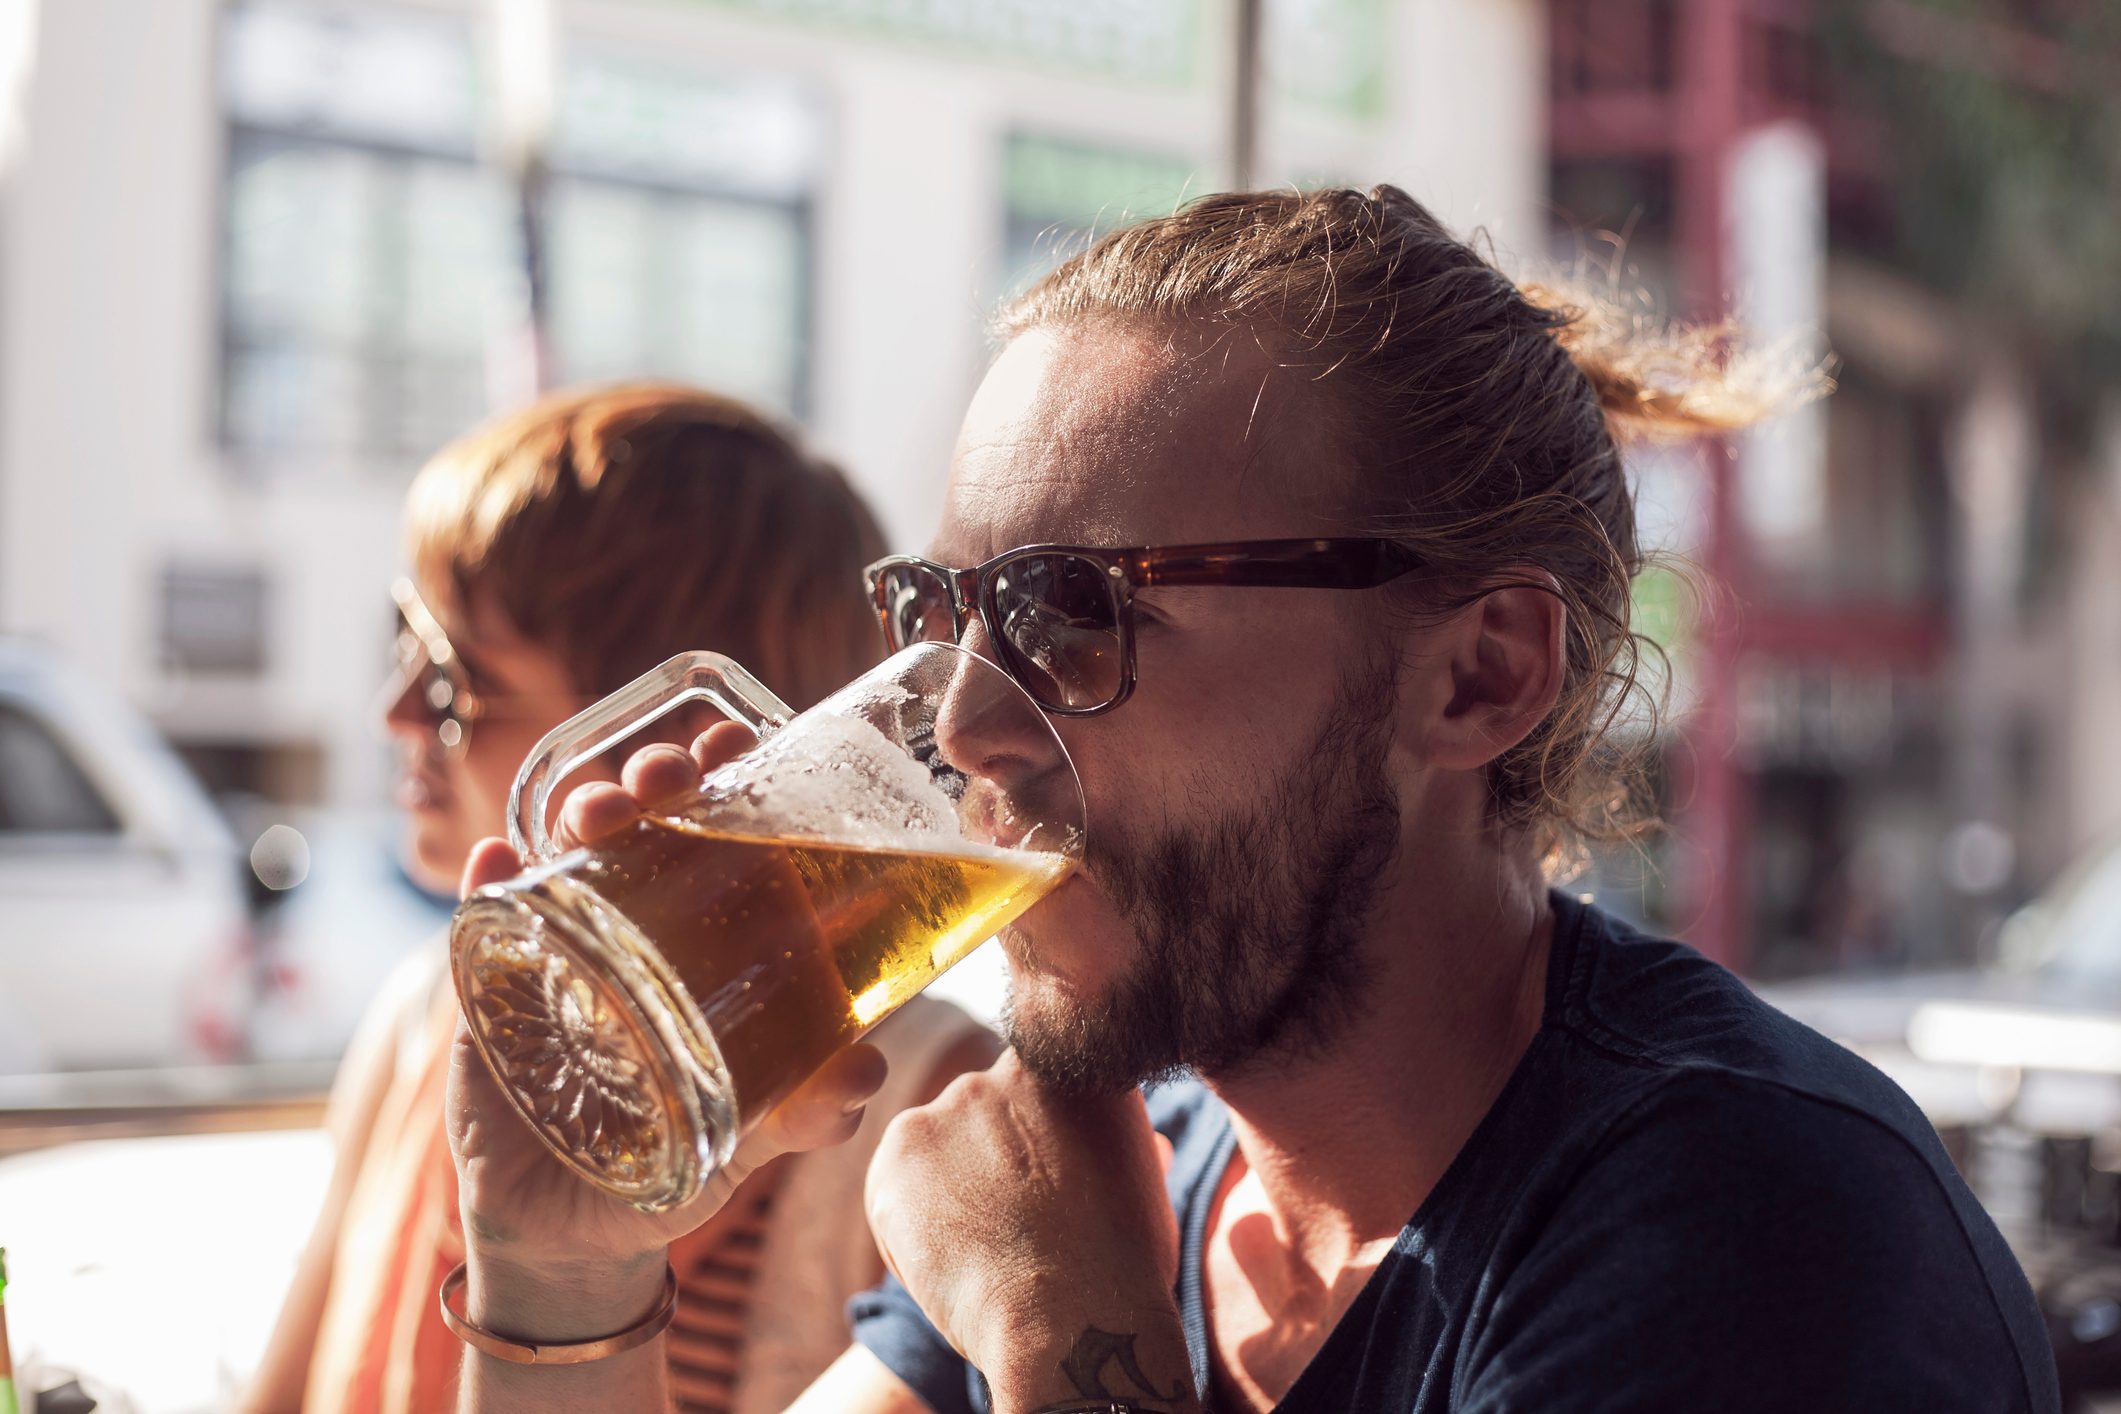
(1122, 436)
(453, 801)
(1062, 448)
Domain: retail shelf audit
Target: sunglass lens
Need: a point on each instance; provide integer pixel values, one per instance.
(917, 606)
(1059, 624)
(437, 691)
(441, 694)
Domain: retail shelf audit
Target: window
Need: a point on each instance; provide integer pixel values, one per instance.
(1151, 41)
(362, 243)
(42, 790)
(1327, 54)
(661, 284)
(353, 315)
(213, 621)
(370, 259)
(679, 224)
(1058, 194)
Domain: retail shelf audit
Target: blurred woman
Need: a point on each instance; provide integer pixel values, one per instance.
(558, 553)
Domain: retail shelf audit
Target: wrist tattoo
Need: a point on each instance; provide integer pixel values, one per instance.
(1096, 1350)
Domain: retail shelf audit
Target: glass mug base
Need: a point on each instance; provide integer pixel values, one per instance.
(596, 1045)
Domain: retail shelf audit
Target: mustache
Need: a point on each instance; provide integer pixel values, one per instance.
(1248, 920)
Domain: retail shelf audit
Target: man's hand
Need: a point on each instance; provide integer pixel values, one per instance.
(1034, 1230)
(550, 1256)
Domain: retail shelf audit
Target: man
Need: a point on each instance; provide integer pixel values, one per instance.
(1340, 673)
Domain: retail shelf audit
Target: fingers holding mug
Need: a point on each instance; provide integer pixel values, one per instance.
(665, 772)
(720, 744)
(653, 776)
(594, 812)
(659, 775)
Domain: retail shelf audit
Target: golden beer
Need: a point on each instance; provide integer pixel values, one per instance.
(793, 948)
(780, 950)
(646, 1001)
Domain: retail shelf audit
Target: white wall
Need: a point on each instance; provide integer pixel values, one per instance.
(104, 309)
(109, 240)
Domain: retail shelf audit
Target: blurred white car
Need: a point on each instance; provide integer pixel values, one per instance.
(328, 942)
(121, 905)
(2036, 1034)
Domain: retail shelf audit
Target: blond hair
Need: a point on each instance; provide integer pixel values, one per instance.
(1483, 420)
(616, 526)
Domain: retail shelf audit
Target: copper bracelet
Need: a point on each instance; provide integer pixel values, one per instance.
(580, 1352)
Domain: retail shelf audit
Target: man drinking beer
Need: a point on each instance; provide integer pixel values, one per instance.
(1310, 530)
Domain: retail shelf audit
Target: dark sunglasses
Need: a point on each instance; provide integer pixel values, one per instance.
(1061, 617)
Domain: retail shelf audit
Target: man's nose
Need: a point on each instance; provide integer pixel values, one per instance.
(1020, 778)
(979, 732)
(984, 726)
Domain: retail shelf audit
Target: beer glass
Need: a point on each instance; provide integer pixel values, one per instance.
(645, 1001)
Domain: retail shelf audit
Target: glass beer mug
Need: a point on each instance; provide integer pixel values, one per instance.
(644, 1002)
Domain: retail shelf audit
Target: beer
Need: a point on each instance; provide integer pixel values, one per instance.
(791, 948)
(646, 1001)
(787, 948)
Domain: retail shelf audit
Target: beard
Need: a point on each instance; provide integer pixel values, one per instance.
(1249, 923)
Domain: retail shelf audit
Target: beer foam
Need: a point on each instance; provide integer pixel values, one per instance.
(833, 778)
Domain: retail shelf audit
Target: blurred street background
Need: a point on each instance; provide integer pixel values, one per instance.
(260, 258)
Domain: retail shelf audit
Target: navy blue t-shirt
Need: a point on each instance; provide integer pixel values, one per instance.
(1681, 1201)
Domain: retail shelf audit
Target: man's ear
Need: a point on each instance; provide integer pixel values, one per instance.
(1504, 652)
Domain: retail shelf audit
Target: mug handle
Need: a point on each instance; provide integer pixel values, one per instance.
(688, 677)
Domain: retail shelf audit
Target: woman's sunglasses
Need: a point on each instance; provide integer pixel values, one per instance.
(429, 663)
(1061, 617)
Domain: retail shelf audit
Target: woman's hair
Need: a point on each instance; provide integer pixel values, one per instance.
(1482, 420)
(616, 526)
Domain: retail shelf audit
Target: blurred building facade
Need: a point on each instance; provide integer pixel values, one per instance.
(259, 258)
(255, 265)
(1902, 703)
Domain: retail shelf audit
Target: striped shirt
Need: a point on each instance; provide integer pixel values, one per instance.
(381, 1347)
(717, 1269)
